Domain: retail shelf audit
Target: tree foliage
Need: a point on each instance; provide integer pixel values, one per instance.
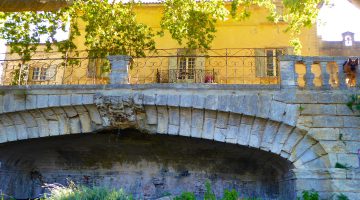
(112, 28)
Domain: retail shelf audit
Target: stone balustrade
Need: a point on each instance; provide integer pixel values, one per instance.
(321, 72)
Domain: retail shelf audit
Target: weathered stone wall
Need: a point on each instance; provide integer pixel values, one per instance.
(148, 166)
(312, 129)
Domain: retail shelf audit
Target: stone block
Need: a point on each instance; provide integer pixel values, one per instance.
(149, 99)
(174, 116)
(19, 102)
(280, 138)
(21, 132)
(291, 114)
(331, 98)
(87, 99)
(250, 104)
(11, 134)
(224, 103)
(54, 100)
(28, 119)
(328, 121)
(324, 133)
(94, 115)
(173, 129)
(3, 137)
(186, 100)
(232, 134)
(348, 159)
(352, 146)
(75, 125)
(292, 140)
(53, 128)
(33, 132)
(86, 125)
(161, 100)
(350, 134)
(31, 101)
(43, 127)
(6, 120)
(342, 109)
(211, 102)
(173, 100)
(185, 122)
(305, 122)
(138, 98)
(222, 120)
(270, 131)
(64, 127)
(264, 106)
(334, 146)
(9, 105)
(247, 120)
(277, 111)
(244, 134)
(208, 128)
(197, 122)
(16, 118)
(65, 100)
(151, 114)
(234, 119)
(351, 122)
(304, 144)
(220, 134)
(42, 101)
(163, 120)
(237, 104)
(70, 111)
(1, 103)
(49, 114)
(198, 101)
(257, 132)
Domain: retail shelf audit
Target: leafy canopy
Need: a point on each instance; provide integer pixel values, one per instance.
(112, 28)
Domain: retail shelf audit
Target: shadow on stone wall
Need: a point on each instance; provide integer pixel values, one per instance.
(148, 166)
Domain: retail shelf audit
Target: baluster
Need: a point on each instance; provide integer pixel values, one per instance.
(358, 77)
(288, 74)
(341, 75)
(325, 77)
(309, 76)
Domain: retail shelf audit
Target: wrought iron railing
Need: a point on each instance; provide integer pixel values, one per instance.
(221, 66)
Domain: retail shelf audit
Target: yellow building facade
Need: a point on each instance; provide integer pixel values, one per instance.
(243, 52)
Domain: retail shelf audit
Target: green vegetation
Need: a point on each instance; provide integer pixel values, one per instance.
(73, 192)
(341, 166)
(354, 102)
(342, 196)
(111, 26)
(309, 195)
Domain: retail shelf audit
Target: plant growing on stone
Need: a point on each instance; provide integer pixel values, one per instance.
(186, 196)
(342, 166)
(230, 195)
(354, 102)
(309, 195)
(342, 196)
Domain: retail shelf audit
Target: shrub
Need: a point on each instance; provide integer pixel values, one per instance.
(186, 196)
(72, 192)
(230, 195)
(342, 196)
(310, 195)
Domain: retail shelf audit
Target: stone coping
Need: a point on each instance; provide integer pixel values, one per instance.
(315, 58)
(192, 86)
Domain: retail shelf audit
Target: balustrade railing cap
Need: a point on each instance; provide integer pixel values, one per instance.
(314, 58)
(119, 57)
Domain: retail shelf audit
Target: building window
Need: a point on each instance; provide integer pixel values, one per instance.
(186, 67)
(266, 64)
(348, 40)
(44, 73)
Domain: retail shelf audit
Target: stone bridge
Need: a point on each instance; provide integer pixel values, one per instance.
(298, 135)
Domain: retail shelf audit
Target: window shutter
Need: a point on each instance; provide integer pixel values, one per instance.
(260, 62)
(172, 69)
(200, 69)
(51, 73)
